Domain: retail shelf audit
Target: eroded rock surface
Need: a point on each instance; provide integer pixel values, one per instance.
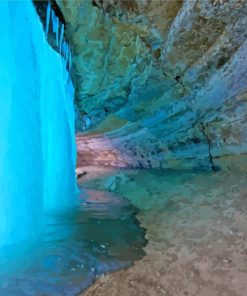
(163, 81)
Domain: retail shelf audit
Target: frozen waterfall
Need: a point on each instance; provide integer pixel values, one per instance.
(37, 150)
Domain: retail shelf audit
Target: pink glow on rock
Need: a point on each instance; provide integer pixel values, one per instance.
(97, 150)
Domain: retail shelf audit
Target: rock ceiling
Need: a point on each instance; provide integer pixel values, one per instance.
(165, 81)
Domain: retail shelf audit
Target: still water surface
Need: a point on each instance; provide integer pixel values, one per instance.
(100, 235)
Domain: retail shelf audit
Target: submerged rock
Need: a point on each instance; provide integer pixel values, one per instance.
(112, 182)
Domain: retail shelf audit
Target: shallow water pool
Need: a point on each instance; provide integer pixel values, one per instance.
(100, 235)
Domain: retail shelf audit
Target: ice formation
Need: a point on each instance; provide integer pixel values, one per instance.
(48, 14)
(61, 37)
(37, 150)
(55, 24)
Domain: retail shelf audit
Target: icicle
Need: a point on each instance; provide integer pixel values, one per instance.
(63, 49)
(66, 52)
(57, 30)
(67, 60)
(61, 38)
(67, 55)
(70, 59)
(48, 13)
(55, 21)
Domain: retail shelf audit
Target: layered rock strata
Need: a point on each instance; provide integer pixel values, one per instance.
(164, 81)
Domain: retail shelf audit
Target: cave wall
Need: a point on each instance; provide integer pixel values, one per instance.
(37, 150)
(159, 83)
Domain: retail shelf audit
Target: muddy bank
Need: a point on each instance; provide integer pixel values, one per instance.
(196, 229)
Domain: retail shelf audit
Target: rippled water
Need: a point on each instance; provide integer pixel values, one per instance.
(101, 235)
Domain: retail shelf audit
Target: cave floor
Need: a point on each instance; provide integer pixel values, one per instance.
(196, 226)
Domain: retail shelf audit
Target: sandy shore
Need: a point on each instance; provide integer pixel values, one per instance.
(196, 229)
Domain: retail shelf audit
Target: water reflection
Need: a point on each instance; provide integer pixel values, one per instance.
(101, 235)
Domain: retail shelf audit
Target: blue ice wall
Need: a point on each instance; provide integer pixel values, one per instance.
(37, 149)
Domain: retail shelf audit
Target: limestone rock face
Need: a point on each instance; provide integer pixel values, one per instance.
(163, 82)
